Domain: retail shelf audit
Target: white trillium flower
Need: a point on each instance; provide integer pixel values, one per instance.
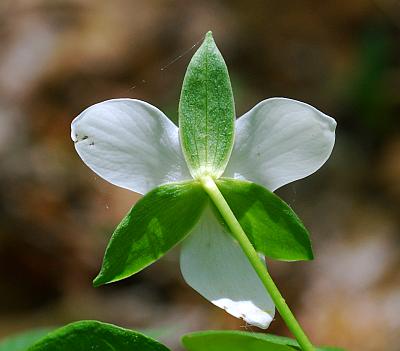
(133, 145)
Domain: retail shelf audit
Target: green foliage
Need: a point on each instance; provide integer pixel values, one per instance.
(157, 222)
(21, 341)
(207, 112)
(93, 335)
(241, 341)
(270, 224)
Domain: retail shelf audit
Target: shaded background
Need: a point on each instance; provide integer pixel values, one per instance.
(56, 216)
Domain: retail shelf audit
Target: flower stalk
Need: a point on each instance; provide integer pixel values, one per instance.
(217, 198)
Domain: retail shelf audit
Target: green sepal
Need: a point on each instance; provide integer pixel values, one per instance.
(157, 222)
(241, 341)
(93, 335)
(21, 341)
(207, 112)
(270, 224)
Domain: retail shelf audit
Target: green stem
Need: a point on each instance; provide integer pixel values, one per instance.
(259, 266)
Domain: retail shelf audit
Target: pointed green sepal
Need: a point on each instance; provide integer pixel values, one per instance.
(207, 112)
(93, 335)
(270, 224)
(224, 340)
(157, 222)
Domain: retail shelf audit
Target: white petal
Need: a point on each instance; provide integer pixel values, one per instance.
(130, 143)
(213, 264)
(279, 141)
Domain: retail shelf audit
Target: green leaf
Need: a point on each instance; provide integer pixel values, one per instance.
(93, 335)
(231, 340)
(157, 222)
(271, 225)
(20, 342)
(207, 112)
(236, 341)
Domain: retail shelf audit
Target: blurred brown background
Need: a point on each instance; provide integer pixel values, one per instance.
(56, 216)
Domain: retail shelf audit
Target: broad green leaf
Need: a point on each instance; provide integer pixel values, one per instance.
(207, 112)
(271, 225)
(20, 342)
(156, 223)
(93, 335)
(241, 341)
(236, 341)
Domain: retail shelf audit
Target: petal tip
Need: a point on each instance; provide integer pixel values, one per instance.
(74, 134)
(77, 134)
(247, 311)
(331, 123)
(261, 321)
